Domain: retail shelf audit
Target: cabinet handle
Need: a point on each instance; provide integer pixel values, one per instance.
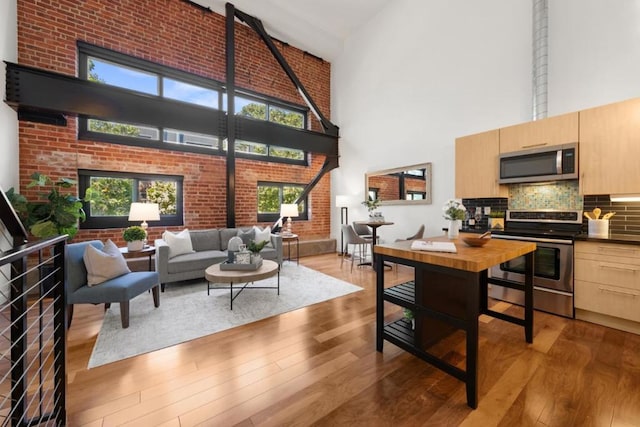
(534, 145)
(615, 267)
(604, 249)
(617, 291)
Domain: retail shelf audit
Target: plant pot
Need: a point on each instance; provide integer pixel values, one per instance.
(454, 229)
(136, 245)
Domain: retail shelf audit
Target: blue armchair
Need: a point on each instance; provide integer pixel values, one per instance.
(119, 289)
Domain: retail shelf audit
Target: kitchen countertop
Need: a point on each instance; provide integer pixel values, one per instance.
(629, 239)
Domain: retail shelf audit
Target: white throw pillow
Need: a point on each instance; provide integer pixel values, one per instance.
(262, 235)
(104, 264)
(178, 243)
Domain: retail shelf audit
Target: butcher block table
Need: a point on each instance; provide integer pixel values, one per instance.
(448, 293)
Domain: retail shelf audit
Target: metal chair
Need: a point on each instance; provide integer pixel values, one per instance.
(359, 245)
(120, 289)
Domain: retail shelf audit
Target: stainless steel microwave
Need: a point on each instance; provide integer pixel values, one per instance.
(540, 164)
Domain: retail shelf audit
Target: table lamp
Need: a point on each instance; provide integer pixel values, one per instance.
(289, 210)
(144, 212)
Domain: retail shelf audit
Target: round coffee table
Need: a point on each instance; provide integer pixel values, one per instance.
(268, 269)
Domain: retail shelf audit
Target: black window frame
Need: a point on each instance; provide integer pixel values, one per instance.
(91, 222)
(272, 217)
(86, 50)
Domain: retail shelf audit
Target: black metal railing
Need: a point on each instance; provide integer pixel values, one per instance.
(33, 334)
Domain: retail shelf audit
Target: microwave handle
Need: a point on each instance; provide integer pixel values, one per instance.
(559, 162)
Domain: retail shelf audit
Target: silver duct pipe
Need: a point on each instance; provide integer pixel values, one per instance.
(540, 58)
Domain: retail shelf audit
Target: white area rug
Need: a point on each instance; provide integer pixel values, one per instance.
(186, 312)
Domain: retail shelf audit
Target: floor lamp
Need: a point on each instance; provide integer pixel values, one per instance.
(341, 202)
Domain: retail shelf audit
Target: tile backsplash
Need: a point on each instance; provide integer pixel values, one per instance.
(625, 221)
(551, 195)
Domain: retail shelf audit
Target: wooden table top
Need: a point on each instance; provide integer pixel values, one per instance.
(215, 275)
(468, 258)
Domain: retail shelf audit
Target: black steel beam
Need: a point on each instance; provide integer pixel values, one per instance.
(231, 119)
(257, 26)
(32, 89)
(283, 136)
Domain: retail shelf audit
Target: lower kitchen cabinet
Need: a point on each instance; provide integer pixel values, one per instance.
(607, 284)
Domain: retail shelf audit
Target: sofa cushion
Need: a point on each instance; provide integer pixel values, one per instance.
(225, 235)
(104, 264)
(195, 261)
(269, 253)
(263, 235)
(247, 235)
(205, 240)
(178, 243)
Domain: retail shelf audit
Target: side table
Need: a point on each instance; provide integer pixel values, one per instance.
(288, 238)
(148, 251)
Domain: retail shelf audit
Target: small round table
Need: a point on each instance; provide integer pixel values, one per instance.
(268, 269)
(148, 251)
(288, 238)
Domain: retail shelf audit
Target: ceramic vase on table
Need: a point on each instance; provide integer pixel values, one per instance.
(454, 229)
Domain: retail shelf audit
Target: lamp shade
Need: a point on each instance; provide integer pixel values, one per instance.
(289, 210)
(342, 201)
(144, 212)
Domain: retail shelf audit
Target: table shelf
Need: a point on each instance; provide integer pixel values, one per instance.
(403, 295)
(400, 333)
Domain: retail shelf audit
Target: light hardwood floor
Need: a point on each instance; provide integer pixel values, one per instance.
(319, 366)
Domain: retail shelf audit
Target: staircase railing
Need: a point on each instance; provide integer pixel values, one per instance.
(33, 334)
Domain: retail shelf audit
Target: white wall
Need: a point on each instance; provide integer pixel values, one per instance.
(417, 76)
(8, 117)
(594, 54)
(422, 73)
(8, 120)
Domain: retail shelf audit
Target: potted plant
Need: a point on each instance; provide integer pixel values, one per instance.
(496, 220)
(454, 211)
(134, 236)
(255, 248)
(409, 317)
(54, 213)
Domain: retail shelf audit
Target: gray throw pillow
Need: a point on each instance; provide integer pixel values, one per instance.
(247, 236)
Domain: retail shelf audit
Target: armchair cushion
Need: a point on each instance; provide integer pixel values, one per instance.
(104, 264)
(178, 243)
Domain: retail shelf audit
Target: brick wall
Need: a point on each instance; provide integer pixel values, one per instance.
(176, 34)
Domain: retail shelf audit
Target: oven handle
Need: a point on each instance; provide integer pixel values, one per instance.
(533, 239)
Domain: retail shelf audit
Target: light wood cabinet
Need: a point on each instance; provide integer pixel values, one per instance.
(540, 133)
(477, 166)
(610, 149)
(607, 284)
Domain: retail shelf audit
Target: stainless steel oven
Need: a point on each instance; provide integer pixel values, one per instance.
(553, 233)
(552, 276)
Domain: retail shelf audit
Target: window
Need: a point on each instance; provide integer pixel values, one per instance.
(108, 197)
(123, 71)
(271, 195)
(111, 68)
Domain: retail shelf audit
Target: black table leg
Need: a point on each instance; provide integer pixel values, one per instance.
(379, 266)
(528, 297)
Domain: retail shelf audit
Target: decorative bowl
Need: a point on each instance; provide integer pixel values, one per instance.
(476, 241)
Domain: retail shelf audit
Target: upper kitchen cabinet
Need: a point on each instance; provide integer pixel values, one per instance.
(610, 148)
(477, 166)
(540, 133)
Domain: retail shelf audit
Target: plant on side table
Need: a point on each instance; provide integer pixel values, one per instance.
(134, 236)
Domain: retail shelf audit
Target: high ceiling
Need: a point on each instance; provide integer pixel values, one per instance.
(317, 26)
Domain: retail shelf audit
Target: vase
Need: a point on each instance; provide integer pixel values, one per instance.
(454, 229)
(136, 245)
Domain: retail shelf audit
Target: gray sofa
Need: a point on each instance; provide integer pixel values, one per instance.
(210, 248)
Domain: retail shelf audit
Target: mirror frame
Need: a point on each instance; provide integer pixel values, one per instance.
(427, 177)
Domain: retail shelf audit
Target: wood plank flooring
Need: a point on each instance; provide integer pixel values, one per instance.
(318, 366)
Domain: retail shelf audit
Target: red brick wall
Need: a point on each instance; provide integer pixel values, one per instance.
(176, 34)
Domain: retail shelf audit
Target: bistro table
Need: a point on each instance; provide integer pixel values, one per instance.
(374, 227)
(448, 292)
